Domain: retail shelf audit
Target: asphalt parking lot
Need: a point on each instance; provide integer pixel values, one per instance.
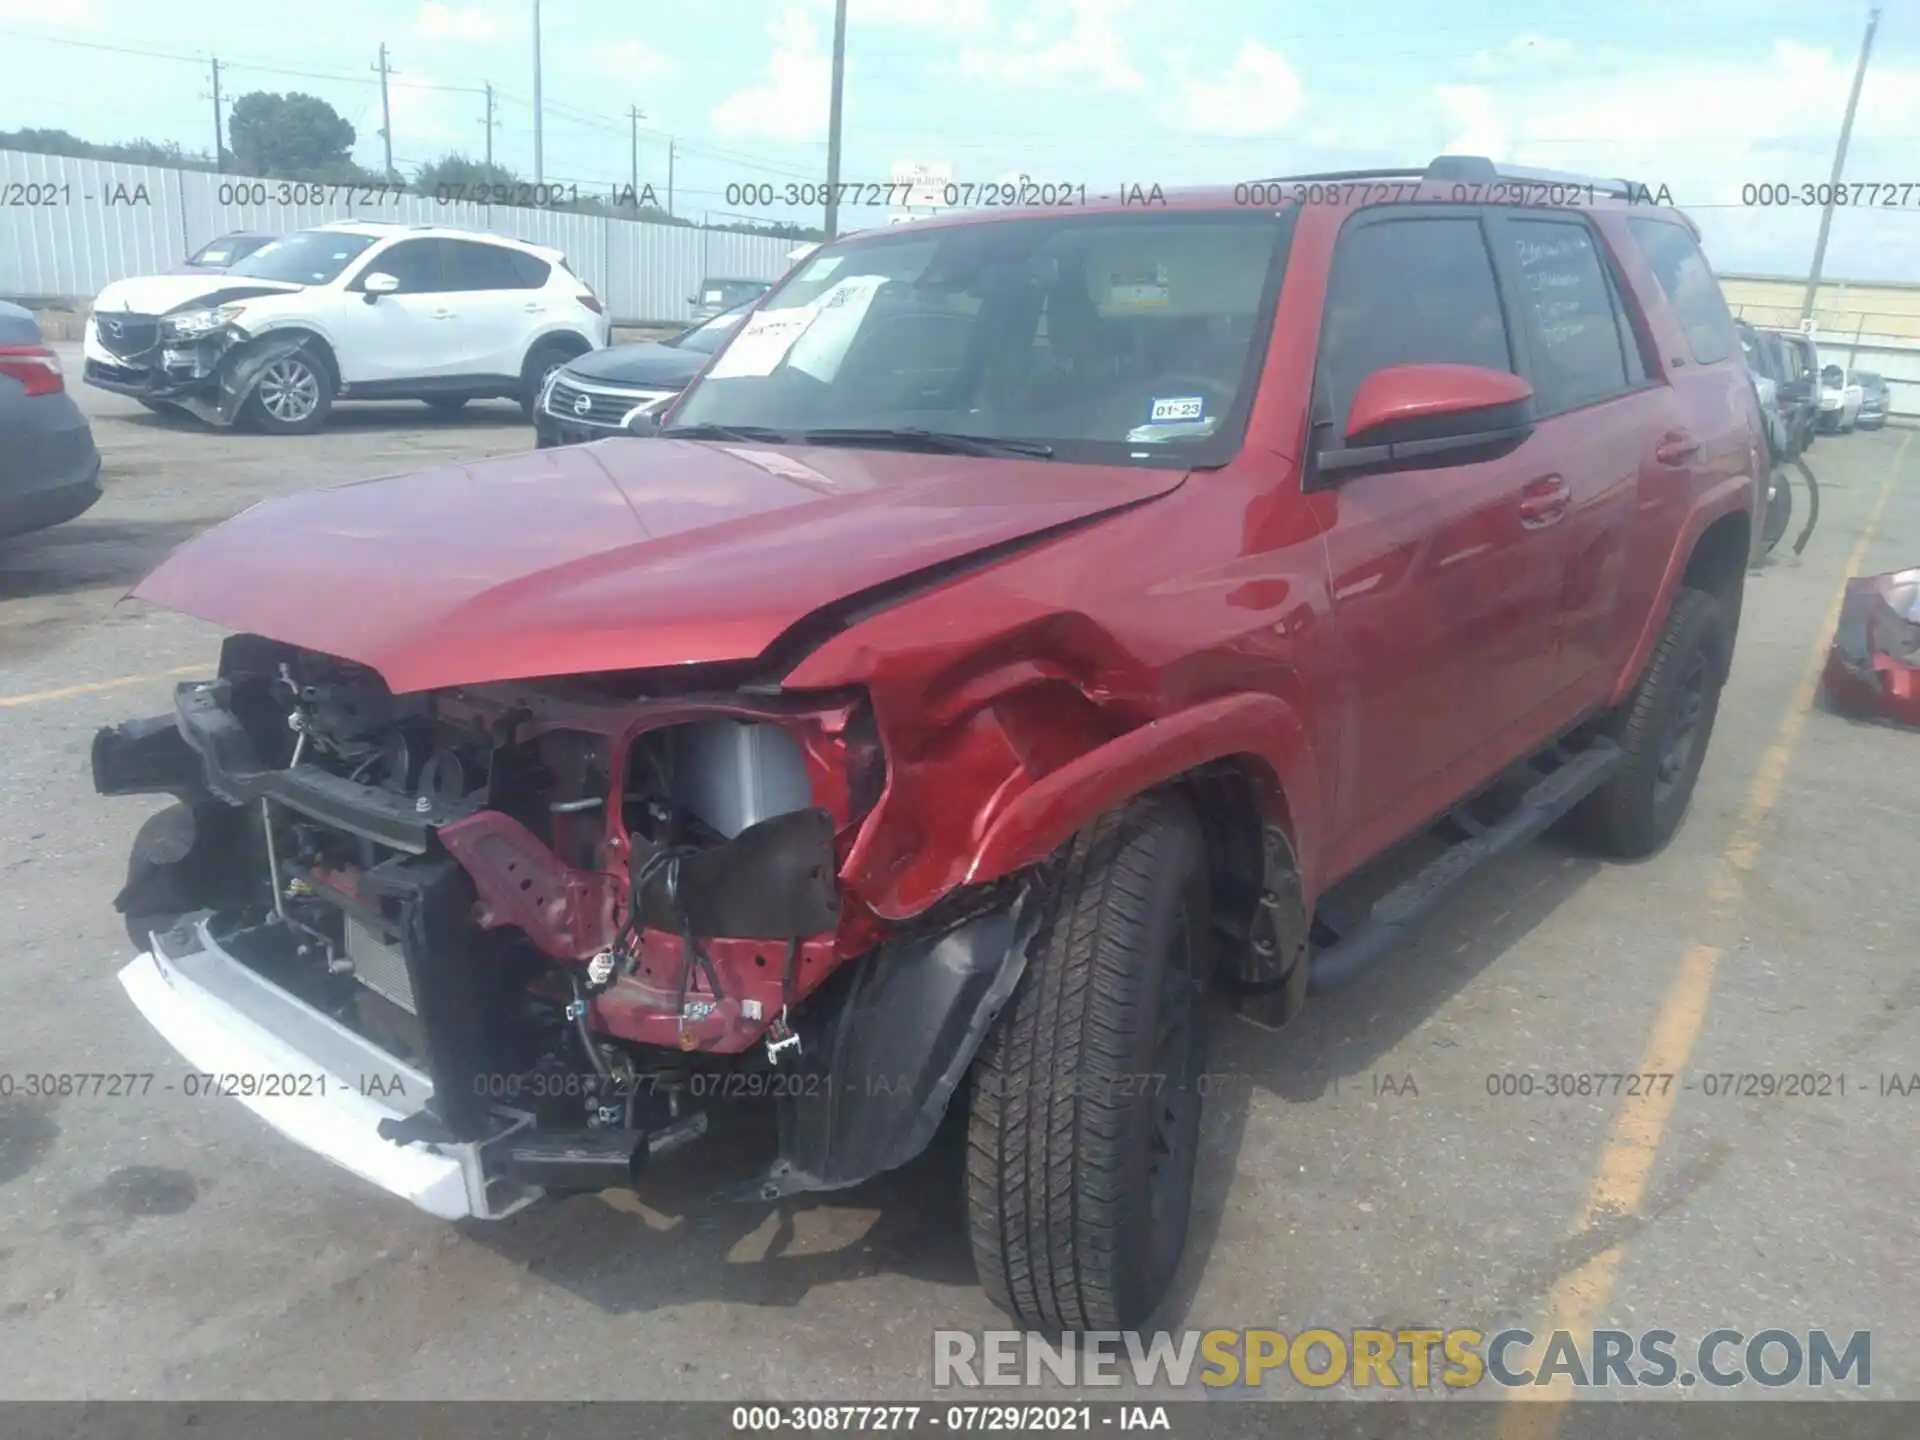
(1358, 1172)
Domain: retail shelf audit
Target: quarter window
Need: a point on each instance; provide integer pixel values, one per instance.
(1690, 288)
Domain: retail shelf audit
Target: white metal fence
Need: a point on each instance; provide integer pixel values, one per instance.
(69, 228)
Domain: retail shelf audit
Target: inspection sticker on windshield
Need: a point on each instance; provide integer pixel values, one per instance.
(1176, 409)
(763, 342)
(1144, 288)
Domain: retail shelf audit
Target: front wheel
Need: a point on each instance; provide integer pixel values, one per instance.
(292, 397)
(1085, 1111)
(541, 363)
(1664, 730)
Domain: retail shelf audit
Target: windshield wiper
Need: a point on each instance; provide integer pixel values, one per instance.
(763, 434)
(949, 441)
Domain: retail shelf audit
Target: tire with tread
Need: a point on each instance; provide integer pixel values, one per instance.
(547, 356)
(1084, 1118)
(256, 415)
(1634, 814)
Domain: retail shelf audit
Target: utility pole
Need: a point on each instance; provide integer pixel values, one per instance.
(489, 85)
(386, 111)
(1839, 164)
(219, 124)
(669, 179)
(833, 118)
(539, 161)
(633, 176)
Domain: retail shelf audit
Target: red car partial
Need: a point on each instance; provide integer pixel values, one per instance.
(985, 673)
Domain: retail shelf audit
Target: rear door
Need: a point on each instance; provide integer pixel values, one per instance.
(500, 295)
(1596, 407)
(1709, 435)
(1443, 580)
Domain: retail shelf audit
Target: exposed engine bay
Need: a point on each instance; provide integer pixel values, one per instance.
(569, 905)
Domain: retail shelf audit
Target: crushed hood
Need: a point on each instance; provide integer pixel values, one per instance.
(163, 294)
(622, 554)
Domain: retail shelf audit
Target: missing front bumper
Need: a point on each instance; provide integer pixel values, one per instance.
(314, 1080)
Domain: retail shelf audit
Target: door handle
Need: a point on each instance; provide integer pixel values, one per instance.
(1544, 502)
(1675, 448)
(443, 314)
(533, 307)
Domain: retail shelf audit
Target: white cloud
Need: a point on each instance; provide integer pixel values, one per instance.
(1087, 46)
(1258, 94)
(791, 102)
(1695, 126)
(450, 22)
(425, 122)
(1472, 124)
(1522, 53)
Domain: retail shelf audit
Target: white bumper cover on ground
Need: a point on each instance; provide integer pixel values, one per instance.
(305, 1074)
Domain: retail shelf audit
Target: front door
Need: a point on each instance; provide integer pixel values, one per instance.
(410, 334)
(1442, 580)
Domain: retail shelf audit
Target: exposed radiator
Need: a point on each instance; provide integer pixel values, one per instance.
(379, 966)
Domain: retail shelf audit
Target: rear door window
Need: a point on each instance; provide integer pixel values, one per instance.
(1576, 353)
(1407, 292)
(478, 266)
(1687, 281)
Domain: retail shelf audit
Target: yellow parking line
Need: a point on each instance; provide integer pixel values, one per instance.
(1633, 1142)
(38, 697)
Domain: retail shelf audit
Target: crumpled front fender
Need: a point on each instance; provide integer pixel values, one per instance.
(240, 370)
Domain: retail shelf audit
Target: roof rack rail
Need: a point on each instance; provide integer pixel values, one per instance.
(1325, 176)
(1474, 169)
(1479, 169)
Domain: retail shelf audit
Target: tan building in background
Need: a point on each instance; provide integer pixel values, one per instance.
(1858, 325)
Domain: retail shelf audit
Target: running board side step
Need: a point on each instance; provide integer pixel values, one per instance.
(1574, 778)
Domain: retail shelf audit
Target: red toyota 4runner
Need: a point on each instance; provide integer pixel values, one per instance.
(996, 657)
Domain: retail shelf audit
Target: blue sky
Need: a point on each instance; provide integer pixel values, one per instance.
(1704, 96)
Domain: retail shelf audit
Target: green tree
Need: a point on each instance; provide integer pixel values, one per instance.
(454, 172)
(291, 137)
(136, 152)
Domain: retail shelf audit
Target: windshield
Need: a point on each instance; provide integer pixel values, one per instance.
(306, 257)
(1108, 338)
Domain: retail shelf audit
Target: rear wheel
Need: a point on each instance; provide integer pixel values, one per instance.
(1085, 1112)
(292, 397)
(1664, 730)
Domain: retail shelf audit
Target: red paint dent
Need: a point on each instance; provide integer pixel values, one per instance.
(1040, 818)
